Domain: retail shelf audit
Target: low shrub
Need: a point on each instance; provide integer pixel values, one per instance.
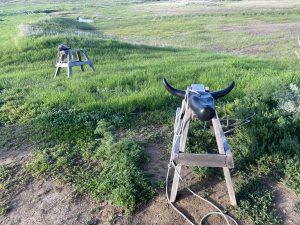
(105, 169)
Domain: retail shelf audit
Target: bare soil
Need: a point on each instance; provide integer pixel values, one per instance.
(286, 205)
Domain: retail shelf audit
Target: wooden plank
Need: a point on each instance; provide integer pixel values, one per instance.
(69, 61)
(176, 138)
(220, 142)
(208, 160)
(79, 63)
(217, 130)
(229, 186)
(57, 71)
(64, 64)
(79, 59)
(220, 136)
(73, 63)
(175, 183)
(185, 126)
(88, 59)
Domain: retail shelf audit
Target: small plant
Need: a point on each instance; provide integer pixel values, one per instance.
(289, 101)
(5, 177)
(3, 209)
(106, 170)
(256, 202)
(292, 173)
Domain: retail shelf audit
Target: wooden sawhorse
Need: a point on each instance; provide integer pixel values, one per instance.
(68, 55)
(179, 157)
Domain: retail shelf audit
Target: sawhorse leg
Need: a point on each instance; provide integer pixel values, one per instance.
(175, 183)
(57, 71)
(69, 60)
(59, 59)
(219, 134)
(79, 59)
(183, 138)
(88, 59)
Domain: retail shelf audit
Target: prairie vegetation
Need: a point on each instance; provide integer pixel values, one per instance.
(91, 131)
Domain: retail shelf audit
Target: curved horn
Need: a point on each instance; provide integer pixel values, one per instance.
(177, 92)
(221, 93)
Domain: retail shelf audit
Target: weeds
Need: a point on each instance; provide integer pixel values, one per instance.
(292, 173)
(106, 170)
(5, 177)
(255, 202)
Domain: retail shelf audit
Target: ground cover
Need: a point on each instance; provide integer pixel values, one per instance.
(92, 131)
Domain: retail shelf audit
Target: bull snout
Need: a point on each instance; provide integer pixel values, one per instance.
(202, 105)
(205, 113)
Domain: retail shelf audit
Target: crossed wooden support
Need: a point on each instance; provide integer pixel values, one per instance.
(68, 55)
(223, 159)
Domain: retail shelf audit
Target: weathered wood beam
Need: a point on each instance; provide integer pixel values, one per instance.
(79, 59)
(220, 136)
(208, 160)
(185, 127)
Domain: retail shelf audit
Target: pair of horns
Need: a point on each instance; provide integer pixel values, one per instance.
(181, 94)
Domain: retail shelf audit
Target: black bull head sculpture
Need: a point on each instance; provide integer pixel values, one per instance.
(201, 102)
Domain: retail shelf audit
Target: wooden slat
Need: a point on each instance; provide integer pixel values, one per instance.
(229, 186)
(176, 139)
(74, 63)
(220, 142)
(58, 69)
(208, 160)
(88, 59)
(69, 61)
(220, 136)
(65, 64)
(186, 121)
(79, 59)
(80, 63)
(185, 128)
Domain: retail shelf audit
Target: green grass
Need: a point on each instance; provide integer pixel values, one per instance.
(5, 177)
(74, 122)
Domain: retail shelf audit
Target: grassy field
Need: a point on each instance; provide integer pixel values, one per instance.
(87, 130)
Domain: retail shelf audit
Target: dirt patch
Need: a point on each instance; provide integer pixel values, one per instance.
(48, 202)
(286, 205)
(15, 145)
(157, 163)
(265, 28)
(158, 211)
(15, 154)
